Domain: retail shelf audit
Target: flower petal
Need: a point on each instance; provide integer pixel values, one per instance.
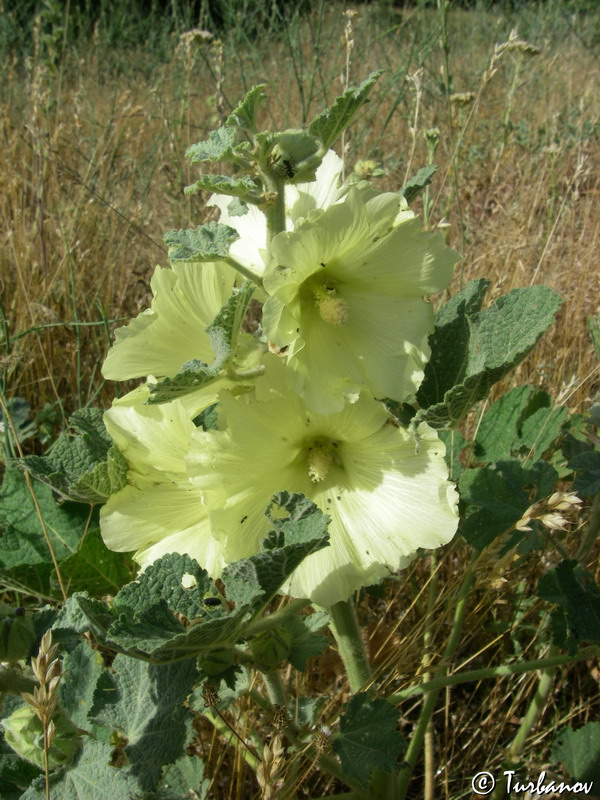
(162, 338)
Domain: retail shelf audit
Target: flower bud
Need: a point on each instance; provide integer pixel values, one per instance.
(23, 731)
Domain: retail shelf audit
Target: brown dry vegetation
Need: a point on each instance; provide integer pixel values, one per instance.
(91, 176)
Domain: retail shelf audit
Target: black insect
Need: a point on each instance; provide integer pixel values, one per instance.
(212, 601)
(289, 170)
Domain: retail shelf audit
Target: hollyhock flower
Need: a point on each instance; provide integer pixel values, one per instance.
(160, 511)
(386, 497)
(250, 250)
(346, 300)
(162, 338)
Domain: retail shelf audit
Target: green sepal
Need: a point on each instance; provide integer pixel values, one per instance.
(216, 661)
(330, 124)
(296, 156)
(208, 242)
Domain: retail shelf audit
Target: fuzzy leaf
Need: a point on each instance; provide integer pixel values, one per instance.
(244, 114)
(368, 738)
(577, 593)
(521, 422)
(183, 779)
(305, 643)
(92, 777)
(329, 124)
(218, 147)
(243, 187)
(415, 185)
(23, 541)
(587, 469)
(472, 350)
(208, 242)
(82, 668)
(579, 751)
(148, 709)
(302, 531)
(498, 496)
(94, 568)
(163, 580)
(84, 466)
(15, 776)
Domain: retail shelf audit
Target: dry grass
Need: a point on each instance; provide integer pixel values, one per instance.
(91, 175)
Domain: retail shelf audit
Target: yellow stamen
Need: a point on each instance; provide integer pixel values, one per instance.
(332, 308)
(319, 462)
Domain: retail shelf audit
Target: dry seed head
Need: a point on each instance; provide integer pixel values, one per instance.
(462, 99)
(210, 694)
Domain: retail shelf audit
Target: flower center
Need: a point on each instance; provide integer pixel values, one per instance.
(320, 457)
(332, 308)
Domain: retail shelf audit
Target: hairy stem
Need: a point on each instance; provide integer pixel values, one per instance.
(351, 647)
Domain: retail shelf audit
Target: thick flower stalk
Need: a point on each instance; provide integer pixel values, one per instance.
(386, 497)
(160, 511)
(346, 300)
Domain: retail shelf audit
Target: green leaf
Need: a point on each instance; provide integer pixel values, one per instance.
(82, 668)
(368, 738)
(415, 185)
(455, 444)
(90, 778)
(244, 115)
(577, 593)
(208, 242)
(498, 495)
(472, 350)
(243, 187)
(579, 751)
(163, 580)
(218, 147)
(330, 124)
(183, 779)
(587, 469)
(521, 422)
(20, 425)
(299, 529)
(23, 541)
(305, 643)
(192, 375)
(94, 568)
(148, 710)
(84, 466)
